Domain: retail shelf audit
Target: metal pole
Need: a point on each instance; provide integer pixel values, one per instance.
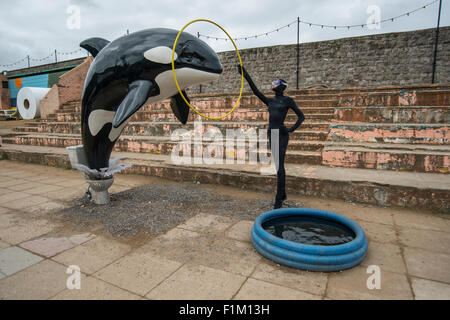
(28, 57)
(436, 40)
(56, 56)
(298, 48)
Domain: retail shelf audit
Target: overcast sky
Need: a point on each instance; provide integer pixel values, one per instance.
(38, 27)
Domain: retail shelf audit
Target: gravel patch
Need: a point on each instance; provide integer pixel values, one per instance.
(154, 209)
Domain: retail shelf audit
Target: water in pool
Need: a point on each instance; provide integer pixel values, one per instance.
(309, 230)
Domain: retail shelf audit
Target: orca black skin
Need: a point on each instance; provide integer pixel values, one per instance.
(128, 71)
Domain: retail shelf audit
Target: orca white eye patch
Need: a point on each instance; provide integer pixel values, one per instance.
(160, 54)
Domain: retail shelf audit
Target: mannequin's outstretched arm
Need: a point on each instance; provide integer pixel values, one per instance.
(255, 90)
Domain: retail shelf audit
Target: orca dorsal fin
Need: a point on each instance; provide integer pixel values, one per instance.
(94, 45)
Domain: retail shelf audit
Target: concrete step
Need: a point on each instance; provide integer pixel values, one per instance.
(222, 101)
(160, 128)
(208, 106)
(398, 97)
(168, 115)
(374, 187)
(409, 133)
(299, 152)
(397, 114)
(301, 103)
(26, 129)
(425, 158)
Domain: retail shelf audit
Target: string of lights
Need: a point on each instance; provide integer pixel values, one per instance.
(311, 24)
(42, 59)
(13, 64)
(68, 53)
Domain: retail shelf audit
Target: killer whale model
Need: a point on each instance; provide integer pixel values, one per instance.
(128, 71)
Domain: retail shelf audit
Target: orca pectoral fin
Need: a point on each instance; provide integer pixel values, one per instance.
(136, 97)
(94, 45)
(179, 107)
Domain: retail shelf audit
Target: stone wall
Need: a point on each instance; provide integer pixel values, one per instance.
(402, 58)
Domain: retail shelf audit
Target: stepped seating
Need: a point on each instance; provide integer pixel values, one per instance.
(347, 132)
(150, 129)
(410, 133)
(342, 127)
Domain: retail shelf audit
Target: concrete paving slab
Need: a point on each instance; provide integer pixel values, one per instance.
(4, 245)
(378, 232)
(7, 183)
(53, 180)
(13, 196)
(25, 186)
(430, 290)
(206, 249)
(311, 282)
(376, 215)
(207, 223)
(260, 290)
(47, 206)
(352, 284)
(4, 191)
(49, 247)
(241, 231)
(95, 289)
(138, 272)
(435, 241)
(42, 178)
(14, 259)
(429, 265)
(4, 210)
(198, 282)
(44, 189)
(385, 255)
(15, 229)
(422, 221)
(93, 255)
(38, 282)
(21, 173)
(67, 193)
(71, 182)
(24, 202)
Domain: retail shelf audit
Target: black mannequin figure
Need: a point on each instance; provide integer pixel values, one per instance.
(278, 107)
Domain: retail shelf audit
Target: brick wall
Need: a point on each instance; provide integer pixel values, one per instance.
(4, 93)
(70, 84)
(402, 58)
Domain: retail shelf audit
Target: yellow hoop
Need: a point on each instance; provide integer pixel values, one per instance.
(175, 76)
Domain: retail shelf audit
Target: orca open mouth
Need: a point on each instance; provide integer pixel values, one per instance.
(215, 68)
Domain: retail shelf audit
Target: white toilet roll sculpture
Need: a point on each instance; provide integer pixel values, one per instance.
(28, 100)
